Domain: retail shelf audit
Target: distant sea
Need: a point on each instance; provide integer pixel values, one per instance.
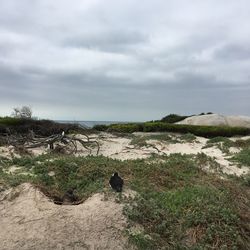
(90, 124)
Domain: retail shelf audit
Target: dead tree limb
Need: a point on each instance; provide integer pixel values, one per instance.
(30, 141)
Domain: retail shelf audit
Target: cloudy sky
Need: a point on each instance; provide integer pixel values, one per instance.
(124, 60)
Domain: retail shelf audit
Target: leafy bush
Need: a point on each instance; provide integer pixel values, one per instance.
(219, 139)
(172, 118)
(10, 121)
(126, 128)
(243, 157)
(205, 131)
(242, 143)
(100, 127)
(40, 127)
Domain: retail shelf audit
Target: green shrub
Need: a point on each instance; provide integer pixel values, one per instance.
(219, 139)
(126, 128)
(205, 131)
(242, 143)
(10, 121)
(171, 214)
(172, 118)
(243, 157)
(100, 127)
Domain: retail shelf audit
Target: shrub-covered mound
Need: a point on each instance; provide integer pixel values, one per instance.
(39, 127)
(178, 205)
(205, 131)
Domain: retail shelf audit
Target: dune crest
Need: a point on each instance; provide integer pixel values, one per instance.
(217, 120)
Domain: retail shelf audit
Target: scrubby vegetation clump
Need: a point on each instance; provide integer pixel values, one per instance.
(178, 205)
(13, 125)
(205, 131)
(172, 118)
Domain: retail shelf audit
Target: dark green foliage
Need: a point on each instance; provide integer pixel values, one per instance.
(100, 127)
(219, 139)
(39, 127)
(10, 121)
(172, 214)
(242, 143)
(205, 131)
(172, 118)
(126, 128)
(246, 180)
(243, 157)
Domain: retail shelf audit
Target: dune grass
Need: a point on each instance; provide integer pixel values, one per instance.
(178, 205)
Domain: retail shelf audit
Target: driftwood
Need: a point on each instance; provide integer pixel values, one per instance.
(30, 140)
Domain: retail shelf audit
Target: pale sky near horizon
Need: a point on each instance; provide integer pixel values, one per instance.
(124, 59)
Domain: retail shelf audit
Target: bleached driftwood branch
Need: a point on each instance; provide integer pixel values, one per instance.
(30, 141)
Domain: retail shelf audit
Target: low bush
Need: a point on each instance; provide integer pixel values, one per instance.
(10, 121)
(172, 118)
(205, 131)
(243, 157)
(126, 128)
(39, 127)
(100, 127)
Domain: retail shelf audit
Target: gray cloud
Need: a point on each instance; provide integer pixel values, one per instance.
(121, 60)
(234, 52)
(119, 41)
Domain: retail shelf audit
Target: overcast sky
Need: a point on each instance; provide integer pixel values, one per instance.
(124, 60)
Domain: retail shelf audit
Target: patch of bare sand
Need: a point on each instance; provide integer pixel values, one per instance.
(29, 220)
(197, 147)
(226, 166)
(120, 148)
(8, 152)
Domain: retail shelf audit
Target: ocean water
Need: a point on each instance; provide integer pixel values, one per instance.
(91, 124)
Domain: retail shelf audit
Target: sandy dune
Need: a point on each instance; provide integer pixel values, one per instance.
(218, 120)
(29, 220)
(120, 148)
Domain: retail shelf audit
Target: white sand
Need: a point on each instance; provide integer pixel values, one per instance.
(218, 120)
(8, 152)
(29, 220)
(120, 148)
